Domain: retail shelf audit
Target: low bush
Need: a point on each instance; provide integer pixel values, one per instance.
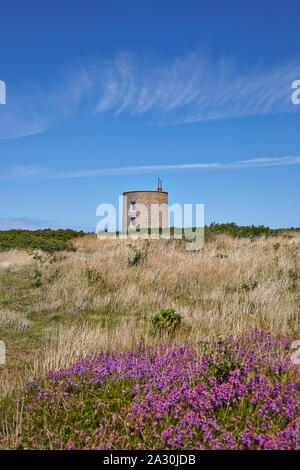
(47, 240)
(138, 256)
(166, 321)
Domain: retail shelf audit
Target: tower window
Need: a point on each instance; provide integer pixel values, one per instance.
(132, 205)
(132, 221)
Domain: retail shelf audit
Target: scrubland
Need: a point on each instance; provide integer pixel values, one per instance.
(57, 309)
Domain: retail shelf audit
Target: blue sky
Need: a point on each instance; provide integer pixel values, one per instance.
(104, 97)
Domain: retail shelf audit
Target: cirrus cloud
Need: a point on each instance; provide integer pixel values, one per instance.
(187, 89)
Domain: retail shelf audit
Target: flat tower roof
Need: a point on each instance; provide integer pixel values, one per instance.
(146, 191)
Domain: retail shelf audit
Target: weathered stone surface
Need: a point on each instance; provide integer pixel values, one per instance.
(151, 209)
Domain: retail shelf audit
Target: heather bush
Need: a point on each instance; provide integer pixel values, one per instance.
(220, 395)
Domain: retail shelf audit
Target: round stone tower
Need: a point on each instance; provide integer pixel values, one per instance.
(145, 209)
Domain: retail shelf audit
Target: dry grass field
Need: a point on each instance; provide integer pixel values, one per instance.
(55, 308)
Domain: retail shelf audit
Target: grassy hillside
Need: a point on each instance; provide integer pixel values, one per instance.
(56, 308)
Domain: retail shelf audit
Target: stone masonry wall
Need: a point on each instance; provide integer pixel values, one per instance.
(151, 209)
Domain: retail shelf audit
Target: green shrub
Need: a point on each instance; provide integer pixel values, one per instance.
(138, 256)
(93, 275)
(246, 231)
(166, 321)
(47, 240)
(292, 280)
(243, 287)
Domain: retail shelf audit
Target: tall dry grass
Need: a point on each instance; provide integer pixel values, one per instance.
(14, 258)
(105, 302)
(228, 287)
(14, 321)
(68, 345)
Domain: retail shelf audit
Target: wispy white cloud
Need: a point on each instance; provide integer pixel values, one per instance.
(19, 120)
(36, 172)
(253, 163)
(23, 171)
(258, 162)
(192, 89)
(32, 112)
(187, 89)
(26, 170)
(131, 170)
